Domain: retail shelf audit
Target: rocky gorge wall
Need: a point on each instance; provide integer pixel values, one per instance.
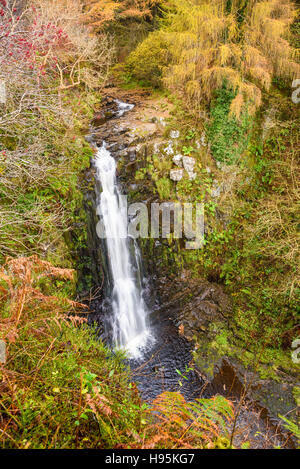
(200, 309)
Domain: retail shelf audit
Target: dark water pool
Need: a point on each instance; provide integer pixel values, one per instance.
(167, 364)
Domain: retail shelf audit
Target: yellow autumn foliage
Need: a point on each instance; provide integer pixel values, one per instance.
(99, 12)
(207, 42)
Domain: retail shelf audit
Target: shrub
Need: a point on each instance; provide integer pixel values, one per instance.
(163, 186)
(150, 58)
(228, 136)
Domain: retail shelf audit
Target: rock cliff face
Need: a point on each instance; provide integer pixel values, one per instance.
(199, 309)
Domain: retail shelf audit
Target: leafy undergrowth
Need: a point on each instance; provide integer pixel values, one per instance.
(257, 254)
(179, 424)
(61, 388)
(228, 136)
(50, 387)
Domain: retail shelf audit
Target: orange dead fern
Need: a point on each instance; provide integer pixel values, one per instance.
(182, 424)
(20, 296)
(176, 423)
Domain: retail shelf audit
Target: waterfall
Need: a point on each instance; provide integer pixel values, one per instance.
(130, 328)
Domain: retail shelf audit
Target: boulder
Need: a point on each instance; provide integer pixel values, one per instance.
(189, 164)
(192, 175)
(177, 159)
(176, 174)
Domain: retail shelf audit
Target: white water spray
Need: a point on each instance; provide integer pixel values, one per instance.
(123, 107)
(130, 328)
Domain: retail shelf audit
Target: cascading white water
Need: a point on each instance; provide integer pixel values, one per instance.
(130, 328)
(123, 107)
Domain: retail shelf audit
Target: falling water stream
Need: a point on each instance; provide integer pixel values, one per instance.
(131, 330)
